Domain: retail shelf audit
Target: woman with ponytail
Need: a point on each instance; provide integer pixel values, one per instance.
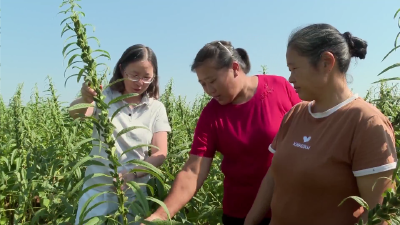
(329, 147)
(240, 122)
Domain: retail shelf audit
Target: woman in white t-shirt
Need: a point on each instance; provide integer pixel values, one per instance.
(138, 65)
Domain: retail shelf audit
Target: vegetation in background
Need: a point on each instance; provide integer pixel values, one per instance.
(44, 152)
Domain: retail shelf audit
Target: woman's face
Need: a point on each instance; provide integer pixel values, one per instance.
(308, 81)
(138, 76)
(221, 84)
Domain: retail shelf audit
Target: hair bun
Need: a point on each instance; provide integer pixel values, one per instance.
(357, 46)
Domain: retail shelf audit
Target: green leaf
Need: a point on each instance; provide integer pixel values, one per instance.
(81, 71)
(139, 194)
(161, 204)
(88, 24)
(122, 97)
(138, 146)
(386, 79)
(136, 209)
(146, 165)
(387, 178)
(73, 75)
(94, 186)
(70, 66)
(396, 13)
(38, 214)
(389, 68)
(46, 202)
(395, 40)
(358, 200)
(120, 108)
(65, 29)
(159, 176)
(80, 106)
(160, 222)
(81, 182)
(106, 54)
(123, 131)
(82, 161)
(66, 47)
(98, 42)
(93, 221)
(72, 59)
(77, 145)
(114, 82)
(70, 52)
(390, 52)
(85, 205)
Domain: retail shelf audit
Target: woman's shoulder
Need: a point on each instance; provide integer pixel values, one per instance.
(273, 78)
(275, 83)
(155, 103)
(297, 109)
(366, 112)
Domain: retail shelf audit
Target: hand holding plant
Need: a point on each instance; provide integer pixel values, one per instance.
(126, 177)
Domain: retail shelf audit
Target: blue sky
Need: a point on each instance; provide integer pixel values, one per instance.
(31, 44)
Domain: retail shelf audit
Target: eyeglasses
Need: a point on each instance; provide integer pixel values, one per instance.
(146, 80)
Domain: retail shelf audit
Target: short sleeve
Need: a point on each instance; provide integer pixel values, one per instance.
(281, 132)
(205, 134)
(161, 122)
(373, 148)
(293, 96)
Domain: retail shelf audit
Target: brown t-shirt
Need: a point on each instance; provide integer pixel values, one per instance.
(318, 157)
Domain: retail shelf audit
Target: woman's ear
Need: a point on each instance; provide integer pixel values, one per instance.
(236, 68)
(328, 62)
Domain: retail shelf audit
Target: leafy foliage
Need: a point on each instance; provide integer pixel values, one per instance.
(44, 153)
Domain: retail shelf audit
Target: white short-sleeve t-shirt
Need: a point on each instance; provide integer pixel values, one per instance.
(150, 113)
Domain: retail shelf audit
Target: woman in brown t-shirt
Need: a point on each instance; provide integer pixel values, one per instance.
(330, 146)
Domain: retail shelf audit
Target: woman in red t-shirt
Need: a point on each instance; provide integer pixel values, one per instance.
(240, 121)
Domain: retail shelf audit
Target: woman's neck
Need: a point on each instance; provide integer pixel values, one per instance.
(248, 90)
(332, 97)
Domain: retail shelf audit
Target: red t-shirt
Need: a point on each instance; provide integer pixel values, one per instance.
(242, 133)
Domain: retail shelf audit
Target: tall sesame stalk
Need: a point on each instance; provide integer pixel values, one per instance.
(103, 124)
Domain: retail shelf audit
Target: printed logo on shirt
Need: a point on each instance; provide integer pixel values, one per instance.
(302, 145)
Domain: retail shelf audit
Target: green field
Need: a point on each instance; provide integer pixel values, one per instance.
(44, 152)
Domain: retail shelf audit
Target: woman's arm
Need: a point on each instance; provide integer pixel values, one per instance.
(195, 171)
(374, 196)
(158, 156)
(262, 203)
(87, 97)
(186, 184)
(85, 111)
(374, 157)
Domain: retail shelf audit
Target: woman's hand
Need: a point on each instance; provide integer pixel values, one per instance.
(88, 93)
(126, 177)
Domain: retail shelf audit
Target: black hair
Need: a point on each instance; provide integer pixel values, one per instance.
(313, 40)
(222, 54)
(132, 54)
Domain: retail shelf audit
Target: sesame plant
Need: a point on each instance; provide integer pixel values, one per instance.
(103, 123)
(44, 152)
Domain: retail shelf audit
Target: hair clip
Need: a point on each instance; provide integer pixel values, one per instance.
(225, 48)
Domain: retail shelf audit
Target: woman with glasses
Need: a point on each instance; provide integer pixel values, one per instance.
(138, 69)
(240, 122)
